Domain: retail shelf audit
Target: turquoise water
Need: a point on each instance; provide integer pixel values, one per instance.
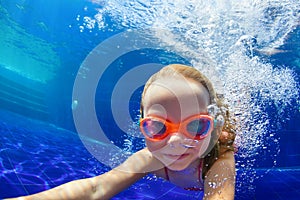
(66, 63)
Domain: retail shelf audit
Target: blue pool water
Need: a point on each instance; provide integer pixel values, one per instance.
(62, 61)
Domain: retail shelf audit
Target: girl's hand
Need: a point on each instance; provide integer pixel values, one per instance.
(225, 137)
(226, 140)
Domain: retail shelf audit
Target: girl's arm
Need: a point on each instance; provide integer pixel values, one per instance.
(220, 179)
(106, 185)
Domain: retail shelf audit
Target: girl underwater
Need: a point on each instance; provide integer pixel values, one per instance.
(189, 136)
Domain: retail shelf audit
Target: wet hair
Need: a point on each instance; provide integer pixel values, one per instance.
(176, 70)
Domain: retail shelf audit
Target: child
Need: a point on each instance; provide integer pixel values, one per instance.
(189, 138)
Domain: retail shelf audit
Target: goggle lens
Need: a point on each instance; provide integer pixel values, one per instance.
(198, 127)
(153, 128)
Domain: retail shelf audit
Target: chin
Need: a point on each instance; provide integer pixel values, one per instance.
(177, 163)
(175, 167)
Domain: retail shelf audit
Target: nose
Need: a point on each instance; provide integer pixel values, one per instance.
(175, 139)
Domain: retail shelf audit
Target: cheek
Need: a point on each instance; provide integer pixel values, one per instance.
(203, 147)
(155, 146)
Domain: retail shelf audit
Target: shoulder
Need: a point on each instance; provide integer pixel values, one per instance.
(225, 159)
(223, 168)
(222, 176)
(226, 156)
(224, 164)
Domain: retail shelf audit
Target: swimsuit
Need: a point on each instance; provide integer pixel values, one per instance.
(200, 180)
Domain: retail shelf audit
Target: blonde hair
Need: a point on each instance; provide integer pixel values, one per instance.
(192, 73)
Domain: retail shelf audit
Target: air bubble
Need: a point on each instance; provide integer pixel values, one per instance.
(213, 110)
(220, 120)
(74, 104)
(212, 184)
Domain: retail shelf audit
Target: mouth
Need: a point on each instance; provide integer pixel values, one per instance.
(176, 157)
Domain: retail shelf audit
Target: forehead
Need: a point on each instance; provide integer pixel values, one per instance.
(176, 96)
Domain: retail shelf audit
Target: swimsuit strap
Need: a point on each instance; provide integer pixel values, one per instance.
(167, 174)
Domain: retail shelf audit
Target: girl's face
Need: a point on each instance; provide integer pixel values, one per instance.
(176, 100)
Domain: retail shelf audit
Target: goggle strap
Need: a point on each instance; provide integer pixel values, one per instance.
(215, 123)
